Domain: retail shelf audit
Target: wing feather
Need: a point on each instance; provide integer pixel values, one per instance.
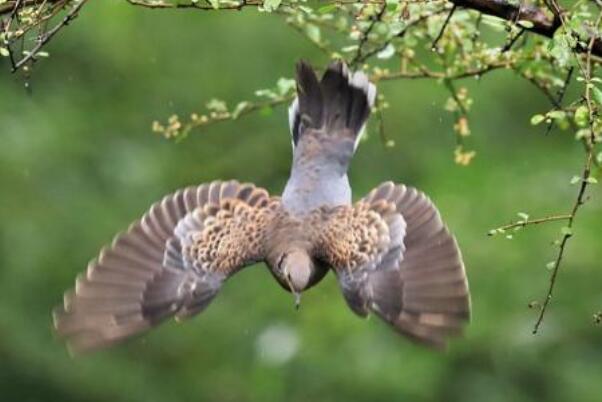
(416, 282)
(171, 262)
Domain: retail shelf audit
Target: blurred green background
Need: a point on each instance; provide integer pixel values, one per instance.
(78, 162)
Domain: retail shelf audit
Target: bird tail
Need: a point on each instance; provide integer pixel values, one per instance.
(338, 103)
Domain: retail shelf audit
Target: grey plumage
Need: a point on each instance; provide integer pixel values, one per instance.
(326, 121)
(391, 252)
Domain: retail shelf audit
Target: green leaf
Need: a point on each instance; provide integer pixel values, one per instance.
(556, 114)
(266, 93)
(349, 49)
(583, 133)
(591, 180)
(286, 85)
(582, 116)
(271, 5)
(217, 105)
(523, 216)
(575, 179)
(313, 33)
(538, 118)
(560, 48)
(597, 95)
(525, 24)
(4, 52)
(214, 4)
(327, 8)
(393, 6)
(566, 231)
(387, 52)
(551, 265)
(239, 109)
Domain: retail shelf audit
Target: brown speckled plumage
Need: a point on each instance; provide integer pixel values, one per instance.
(390, 251)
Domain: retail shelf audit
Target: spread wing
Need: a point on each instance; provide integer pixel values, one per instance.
(394, 256)
(172, 262)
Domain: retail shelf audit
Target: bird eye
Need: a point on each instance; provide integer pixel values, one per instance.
(281, 261)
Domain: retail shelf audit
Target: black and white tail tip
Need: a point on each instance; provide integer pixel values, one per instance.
(340, 100)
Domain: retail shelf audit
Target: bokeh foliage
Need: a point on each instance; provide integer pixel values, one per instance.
(78, 163)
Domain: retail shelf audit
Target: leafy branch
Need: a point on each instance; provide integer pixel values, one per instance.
(217, 111)
(590, 142)
(25, 17)
(525, 221)
(586, 115)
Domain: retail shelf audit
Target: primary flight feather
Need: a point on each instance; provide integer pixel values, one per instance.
(391, 252)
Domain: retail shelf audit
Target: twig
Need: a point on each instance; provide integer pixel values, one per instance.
(9, 6)
(13, 13)
(425, 73)
(195, 5)
(544, 90)
(381, 128)
(454, 94)
(513, 40)
(411, 24)
(522, 224)
(561, 93)
(364, 38)
(585, 176)
(442, 30)
(47, 36)
(182, 130)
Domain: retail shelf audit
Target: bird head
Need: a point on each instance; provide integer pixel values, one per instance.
(295, 271)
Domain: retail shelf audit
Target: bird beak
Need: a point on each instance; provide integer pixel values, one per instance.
(294, 292)
(297, 300)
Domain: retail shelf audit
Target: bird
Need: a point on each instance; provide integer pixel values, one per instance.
(391, 253)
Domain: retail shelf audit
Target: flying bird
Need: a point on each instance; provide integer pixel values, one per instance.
(391, 253)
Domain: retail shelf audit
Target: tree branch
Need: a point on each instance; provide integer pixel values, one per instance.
(195, 5)
(543, 23)
(9, 6)
(590, 143)
(47, 36)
